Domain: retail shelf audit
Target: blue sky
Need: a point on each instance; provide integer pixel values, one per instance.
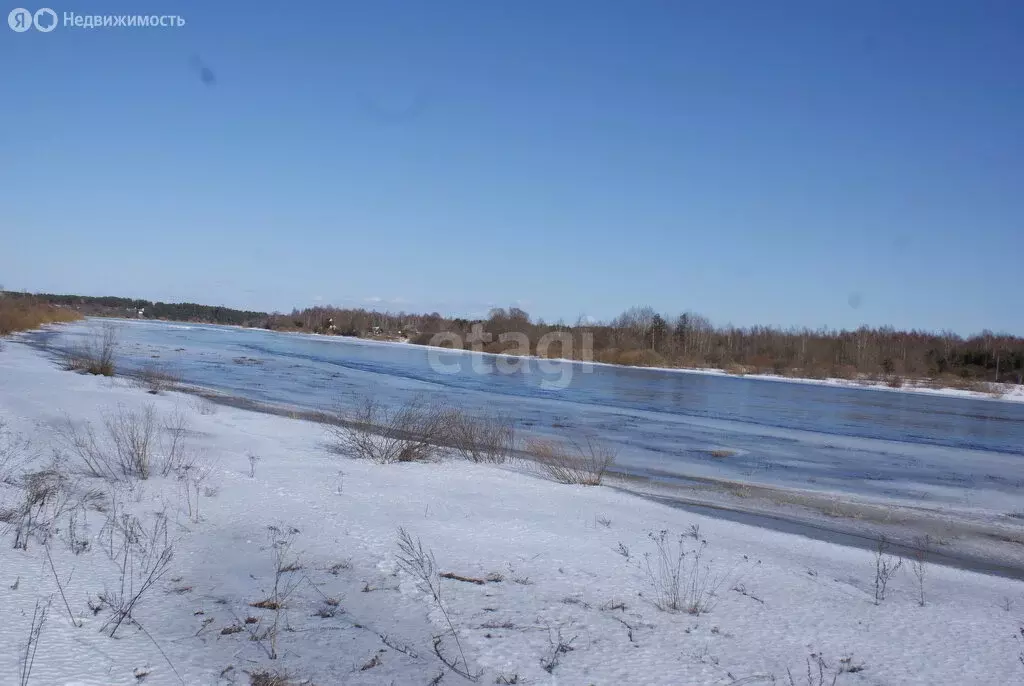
(785, 163)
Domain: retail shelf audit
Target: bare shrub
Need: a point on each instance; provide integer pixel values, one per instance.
(131, 436)
(175, 454)
(282, 539)
(420, 564)
(143, 558)
(488, 439)
(192, 476)
(558, 646)
(679, 578)
(886, 567)
(45, 500)
(410, 432)
(96, 355)
(83, 443)
(134, 444)
(572, 462)
(134, 435)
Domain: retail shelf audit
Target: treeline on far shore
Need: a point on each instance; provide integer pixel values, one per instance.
(640, 337)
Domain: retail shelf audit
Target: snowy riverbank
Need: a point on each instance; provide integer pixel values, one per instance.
(999, 391)
(1005, 392)
(567, 600)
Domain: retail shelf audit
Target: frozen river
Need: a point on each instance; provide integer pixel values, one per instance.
(931, 449)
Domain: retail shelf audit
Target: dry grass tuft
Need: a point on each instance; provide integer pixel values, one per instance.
(268, 604)
(96, 355)
(680, 578)
(268, 678)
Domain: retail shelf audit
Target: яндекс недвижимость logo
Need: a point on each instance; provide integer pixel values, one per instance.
(45, 20)
(21, 20)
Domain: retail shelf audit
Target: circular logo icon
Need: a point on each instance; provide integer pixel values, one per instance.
(19, 19)
(45, 20)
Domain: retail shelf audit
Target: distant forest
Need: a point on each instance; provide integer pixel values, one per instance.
(643, 337)
(109, 306)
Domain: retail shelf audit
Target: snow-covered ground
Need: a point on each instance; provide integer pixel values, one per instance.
(565, 603)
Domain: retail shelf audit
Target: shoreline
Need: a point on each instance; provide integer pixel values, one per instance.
(976, 545)
(985, 546)
(979, 545)
(1012, 393)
